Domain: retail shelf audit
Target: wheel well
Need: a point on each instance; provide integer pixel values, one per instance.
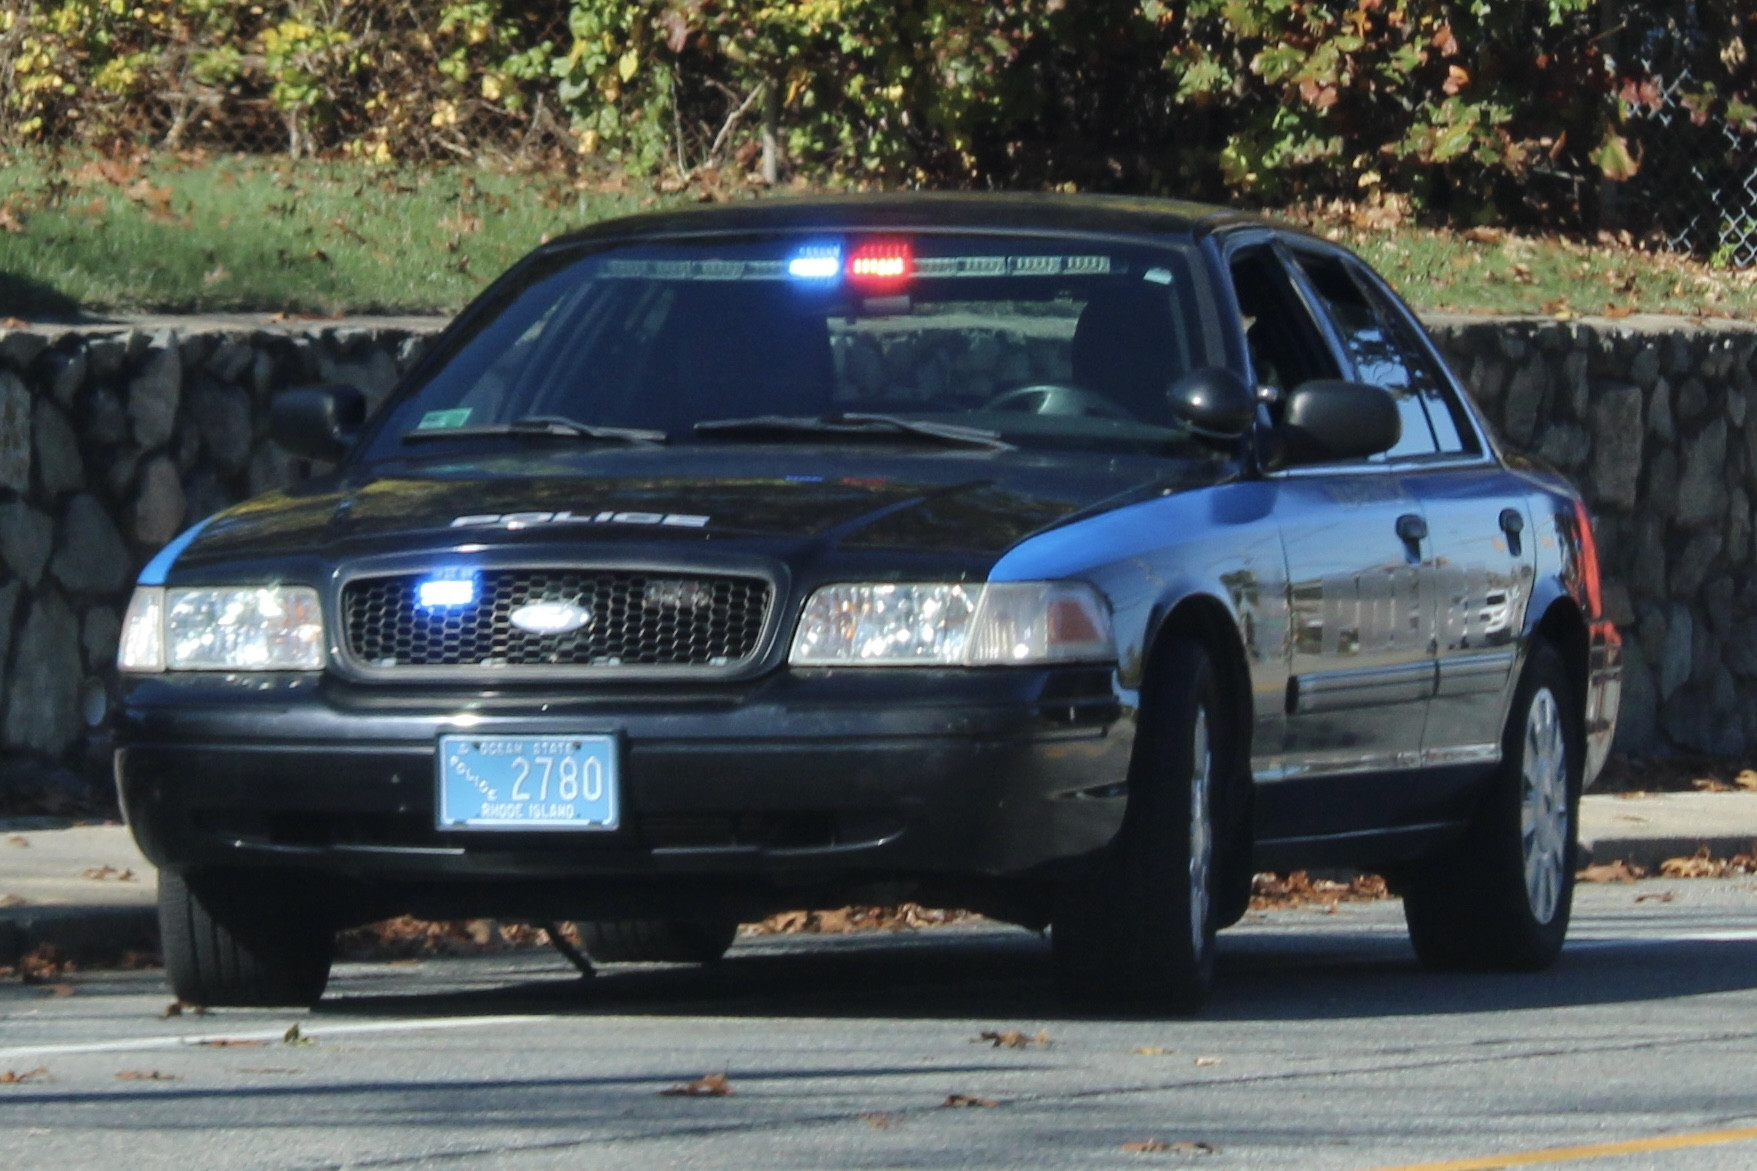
(1564, 627)
(1210, 623)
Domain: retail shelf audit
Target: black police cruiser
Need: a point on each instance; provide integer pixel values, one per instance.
(1068, 559)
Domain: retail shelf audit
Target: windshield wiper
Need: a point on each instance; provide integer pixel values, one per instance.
(550, 425)
(851, 424)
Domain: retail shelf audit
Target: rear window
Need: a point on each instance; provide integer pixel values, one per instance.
(1050, 341)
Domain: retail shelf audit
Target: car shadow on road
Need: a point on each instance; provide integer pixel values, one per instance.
(998, 973)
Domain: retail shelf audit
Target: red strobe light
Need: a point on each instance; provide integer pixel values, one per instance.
(881, 262)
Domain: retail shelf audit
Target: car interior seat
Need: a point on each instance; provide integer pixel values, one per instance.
(738, 350)
(1125, 348)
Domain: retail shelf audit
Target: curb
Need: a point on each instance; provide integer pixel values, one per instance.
(1649, 852)
(83, 935)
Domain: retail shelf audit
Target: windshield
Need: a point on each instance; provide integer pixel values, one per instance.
(1038, 341)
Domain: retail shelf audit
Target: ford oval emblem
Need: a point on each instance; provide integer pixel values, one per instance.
(550, 617)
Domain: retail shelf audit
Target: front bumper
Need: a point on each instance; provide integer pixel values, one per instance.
(820, 776)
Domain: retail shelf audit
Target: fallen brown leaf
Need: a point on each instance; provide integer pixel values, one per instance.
(713, 1085)
(15, 839)
(294, 1037)
(1618, 871)
(1486, 235)
(43, 964)
(1014, 1039)
(1617, 312)
(12, 900)
(970, 1102)
(879, 1121)
(1663, 896)
(1147, 1146)
(1747, 779)
(1271, 891)
(145, 1075)
(15, 323)
(10, 1078)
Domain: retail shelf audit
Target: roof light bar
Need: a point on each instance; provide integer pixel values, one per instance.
(816, 262)
(882, 262)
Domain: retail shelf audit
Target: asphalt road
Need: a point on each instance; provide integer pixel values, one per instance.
(1326, 1047)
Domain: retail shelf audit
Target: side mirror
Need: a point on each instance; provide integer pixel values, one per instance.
(317, 422)
(1215, 402)
(1326, 420)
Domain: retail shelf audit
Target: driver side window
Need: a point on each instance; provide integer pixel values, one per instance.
(1285, 345)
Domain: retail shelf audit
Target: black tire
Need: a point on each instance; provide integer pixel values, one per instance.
(1135, 928)
(242, 940)
(1475, 908)
(657, 941)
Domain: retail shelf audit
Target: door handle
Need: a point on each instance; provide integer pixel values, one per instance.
(1412, 528)
(1512, 523)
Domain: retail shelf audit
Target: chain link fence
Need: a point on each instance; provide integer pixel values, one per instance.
(1697, 186)
(1696, 190)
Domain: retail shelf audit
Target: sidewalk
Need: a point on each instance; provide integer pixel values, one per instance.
(88, 891)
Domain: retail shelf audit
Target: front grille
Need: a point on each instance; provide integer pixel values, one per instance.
(636, 620)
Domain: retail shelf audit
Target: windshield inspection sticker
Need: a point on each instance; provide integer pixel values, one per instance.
(440, 420)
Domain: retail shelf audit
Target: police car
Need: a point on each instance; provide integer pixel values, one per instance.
(1066, 559)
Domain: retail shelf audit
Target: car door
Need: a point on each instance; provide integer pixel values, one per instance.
(1360, 662)
(1477, 566)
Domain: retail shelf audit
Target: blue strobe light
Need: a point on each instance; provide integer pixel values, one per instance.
(444, 591)
(816, 262)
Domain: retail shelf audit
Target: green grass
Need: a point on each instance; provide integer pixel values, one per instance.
(250, 234)
(169, 233)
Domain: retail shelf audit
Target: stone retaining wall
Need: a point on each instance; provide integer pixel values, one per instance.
(113, 439)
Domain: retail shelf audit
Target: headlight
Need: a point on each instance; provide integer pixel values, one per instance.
(950, 624)
(143, 632)
(258, 628)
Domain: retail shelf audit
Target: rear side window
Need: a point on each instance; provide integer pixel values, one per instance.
(1380, 341)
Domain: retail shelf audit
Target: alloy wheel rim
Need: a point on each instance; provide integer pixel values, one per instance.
(1201, 831)
(1543, 804)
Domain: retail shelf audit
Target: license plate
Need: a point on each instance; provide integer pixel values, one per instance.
(528, 782)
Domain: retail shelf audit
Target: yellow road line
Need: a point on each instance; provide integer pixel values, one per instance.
(1667, 1142)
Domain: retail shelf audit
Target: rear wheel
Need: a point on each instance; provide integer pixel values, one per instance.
(657, 941)
(1500, 898)
(242, 940)
(1137, 926)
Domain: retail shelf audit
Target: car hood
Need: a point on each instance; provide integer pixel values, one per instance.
(978, 503)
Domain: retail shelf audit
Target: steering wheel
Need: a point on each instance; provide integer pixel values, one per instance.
(1054, 398)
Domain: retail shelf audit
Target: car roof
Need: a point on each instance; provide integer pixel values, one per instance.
(1021, 211)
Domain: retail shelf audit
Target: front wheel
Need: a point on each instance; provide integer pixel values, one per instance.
(1500, 899)
(242, 940)
(1137, 926)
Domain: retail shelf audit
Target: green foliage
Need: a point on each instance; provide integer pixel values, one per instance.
(1475, 108)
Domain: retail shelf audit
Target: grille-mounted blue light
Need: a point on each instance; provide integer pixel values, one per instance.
(816, 262)
(445, 591)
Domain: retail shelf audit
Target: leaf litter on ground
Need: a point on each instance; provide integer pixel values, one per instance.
(969, 1102)
(713, 1085)
(1014, 1039)
(1155, 1146)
